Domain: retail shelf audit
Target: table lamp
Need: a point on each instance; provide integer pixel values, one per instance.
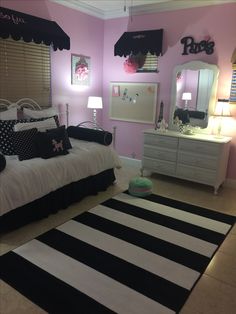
(221, 110)
(186, 97)
(94, 103)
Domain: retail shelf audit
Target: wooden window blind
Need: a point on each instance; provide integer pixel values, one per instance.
(25, 71)
(233, 86)
(150, 65)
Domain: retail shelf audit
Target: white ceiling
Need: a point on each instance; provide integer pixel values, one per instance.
(106, 9)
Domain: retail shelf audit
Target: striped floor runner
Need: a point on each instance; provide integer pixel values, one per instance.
(126, 255)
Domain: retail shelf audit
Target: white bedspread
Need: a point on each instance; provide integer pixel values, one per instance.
(22, 182)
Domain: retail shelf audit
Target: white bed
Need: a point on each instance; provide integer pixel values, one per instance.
(25, 183)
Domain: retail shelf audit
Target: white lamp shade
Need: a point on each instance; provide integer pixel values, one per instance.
(187, 96)
(222, 109)
(94, 102)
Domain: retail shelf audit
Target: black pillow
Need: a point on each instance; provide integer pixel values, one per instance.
(2, 162)
(24, 143)
(51, 144)
(66, 137)
(182, 114)
(91, 135)
(6, 129)
(197, 114)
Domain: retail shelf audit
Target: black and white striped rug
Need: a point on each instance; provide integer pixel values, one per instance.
(126, 255)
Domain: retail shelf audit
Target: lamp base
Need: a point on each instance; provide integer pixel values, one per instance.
(95, 116)
(218, 134)
(186, 105)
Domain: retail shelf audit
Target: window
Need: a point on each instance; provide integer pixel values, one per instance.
(150, 64)
(233, 86)
(25, 71)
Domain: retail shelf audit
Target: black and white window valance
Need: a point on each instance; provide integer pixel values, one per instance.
(19, 25)
(139, 42)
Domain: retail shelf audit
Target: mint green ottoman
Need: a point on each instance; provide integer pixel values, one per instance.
(140, 186)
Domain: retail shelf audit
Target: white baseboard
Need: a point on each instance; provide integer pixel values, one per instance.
(131, 162)
(136, 163)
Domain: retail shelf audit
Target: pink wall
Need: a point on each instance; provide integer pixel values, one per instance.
(96, 38)
(198, 23)
(86, 36)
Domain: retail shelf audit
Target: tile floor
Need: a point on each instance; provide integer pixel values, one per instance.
(215, 292)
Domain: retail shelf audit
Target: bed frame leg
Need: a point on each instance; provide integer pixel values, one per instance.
(67, 115)
(114, 137)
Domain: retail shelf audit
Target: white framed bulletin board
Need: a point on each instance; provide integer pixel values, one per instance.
(135, 102)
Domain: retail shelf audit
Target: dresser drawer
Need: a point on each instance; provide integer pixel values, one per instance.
(196, 174)
(161, 141)
(159, 153)
(200, 158)
(160, 166)
(197, 160)
(203, 147)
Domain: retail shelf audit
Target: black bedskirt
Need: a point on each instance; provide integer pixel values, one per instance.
(54, 201)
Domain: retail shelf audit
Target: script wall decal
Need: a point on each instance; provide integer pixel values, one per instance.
(193, 47)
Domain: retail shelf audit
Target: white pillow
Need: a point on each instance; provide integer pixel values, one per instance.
(36, 114)
(40, 125)
(10, 114)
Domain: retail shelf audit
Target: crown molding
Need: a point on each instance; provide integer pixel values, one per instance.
(90, 10)
(82, 7)
(168, 5)
(175, 5)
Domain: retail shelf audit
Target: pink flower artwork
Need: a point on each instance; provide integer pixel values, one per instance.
(80, 70)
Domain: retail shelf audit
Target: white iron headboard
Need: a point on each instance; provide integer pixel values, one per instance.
(28, 103)
(23, 102)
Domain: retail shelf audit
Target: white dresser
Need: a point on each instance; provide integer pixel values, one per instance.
(200, 158)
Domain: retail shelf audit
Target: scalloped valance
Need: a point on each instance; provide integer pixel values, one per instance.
(27, 27)
(139, 42)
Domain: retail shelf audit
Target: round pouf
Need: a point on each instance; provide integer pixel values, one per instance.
(140, 186)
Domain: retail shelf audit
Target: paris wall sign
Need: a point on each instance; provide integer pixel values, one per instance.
(190, 46)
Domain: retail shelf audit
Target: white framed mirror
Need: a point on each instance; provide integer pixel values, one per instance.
(193, 93)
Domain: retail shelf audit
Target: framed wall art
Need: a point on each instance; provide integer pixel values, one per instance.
(80, 70)
(134, 102)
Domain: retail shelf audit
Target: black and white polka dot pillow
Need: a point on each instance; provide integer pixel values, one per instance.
(24, 143)
(6, 129)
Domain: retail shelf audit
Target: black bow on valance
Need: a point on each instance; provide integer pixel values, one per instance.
(139, 42)
(31, 28)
